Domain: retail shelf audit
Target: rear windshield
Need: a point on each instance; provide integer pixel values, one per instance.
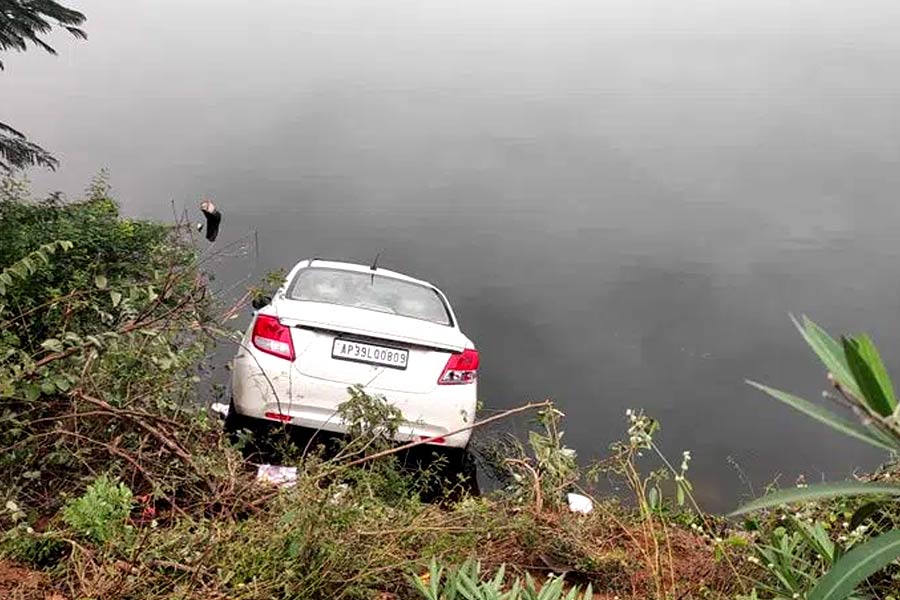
(370, 291)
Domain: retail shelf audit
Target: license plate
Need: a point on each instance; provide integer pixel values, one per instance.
(370, 353)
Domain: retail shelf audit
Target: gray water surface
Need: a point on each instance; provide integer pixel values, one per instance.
(623, 200)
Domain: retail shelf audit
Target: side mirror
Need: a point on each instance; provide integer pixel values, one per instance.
(259, 301)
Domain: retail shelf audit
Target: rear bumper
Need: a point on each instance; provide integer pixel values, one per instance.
(263, 384)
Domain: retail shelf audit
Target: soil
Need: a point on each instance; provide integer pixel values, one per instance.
(20, 583)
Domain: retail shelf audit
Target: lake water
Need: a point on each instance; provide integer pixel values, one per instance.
(623, 200)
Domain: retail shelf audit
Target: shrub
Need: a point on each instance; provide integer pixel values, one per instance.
(102, 512)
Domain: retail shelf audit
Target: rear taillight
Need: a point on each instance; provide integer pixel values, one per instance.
(461, 368)
(270, 336)
(278, 417)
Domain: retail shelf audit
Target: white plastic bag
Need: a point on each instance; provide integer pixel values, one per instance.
(580, 504)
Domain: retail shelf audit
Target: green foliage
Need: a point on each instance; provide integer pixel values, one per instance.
(467, 582)
(101, 513)
(543, 471)
(861, 381)
(870, 375)
(650, 489)
(553, 460)
(825, 416)
(370, 420)
(23, 22)
(822, 491)
(101, 333)
(18, 152)
(856, 566)
(28, 265)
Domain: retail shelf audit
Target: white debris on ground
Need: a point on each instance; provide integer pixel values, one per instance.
(277, 475)
(580, 504)
(218, 407)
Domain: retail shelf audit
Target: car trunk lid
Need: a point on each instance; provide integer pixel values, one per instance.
(316, 326)
(371, 324)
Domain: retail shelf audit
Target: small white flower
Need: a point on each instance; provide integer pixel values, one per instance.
(12, 506)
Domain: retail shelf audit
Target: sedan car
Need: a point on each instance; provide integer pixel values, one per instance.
(333, 325)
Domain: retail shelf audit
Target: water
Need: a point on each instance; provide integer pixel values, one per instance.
(623, 200)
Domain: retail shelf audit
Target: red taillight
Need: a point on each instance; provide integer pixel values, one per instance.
(432, 440)
(270, 336)
(461, 368)
(278, 417)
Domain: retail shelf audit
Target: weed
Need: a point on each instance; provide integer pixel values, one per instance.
(467, 582)
(100, 514)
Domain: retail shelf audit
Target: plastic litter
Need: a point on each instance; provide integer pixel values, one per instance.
(218, 407)
(580, 504)
(277, 475)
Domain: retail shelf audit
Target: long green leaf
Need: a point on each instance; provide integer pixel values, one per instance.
(870, 374)
(856, 566)
(863, 513)
(824, 416)
(829, 351)
(822, 491)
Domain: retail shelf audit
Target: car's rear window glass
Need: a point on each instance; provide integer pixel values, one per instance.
(370, 291)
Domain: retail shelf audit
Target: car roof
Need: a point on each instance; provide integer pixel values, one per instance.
(348, 266)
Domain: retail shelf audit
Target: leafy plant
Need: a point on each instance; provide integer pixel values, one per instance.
(28, 265)
(543, 474)
(101, 513)
(863, 387)
(370, 420)
(23, 22)
(466, 582)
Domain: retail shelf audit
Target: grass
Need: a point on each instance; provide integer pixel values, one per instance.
(362, 532)
(333, 541)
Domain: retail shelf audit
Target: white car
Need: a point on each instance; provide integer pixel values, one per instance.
(333, 325)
